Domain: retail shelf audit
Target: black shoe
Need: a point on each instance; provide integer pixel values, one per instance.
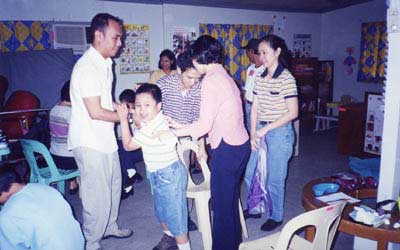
(248, 215)
(270, 225)
(191, 225)
(125, 195)
(166, 243)
(137, 178)
(194, 169)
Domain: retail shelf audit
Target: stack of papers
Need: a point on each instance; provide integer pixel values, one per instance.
(337, 197)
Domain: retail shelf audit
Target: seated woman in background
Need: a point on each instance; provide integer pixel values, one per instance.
(60, 116)
(166, 65)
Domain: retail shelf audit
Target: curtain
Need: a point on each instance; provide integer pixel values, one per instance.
(24, 35)
(42, 72)
(233, 37)
(373, 52)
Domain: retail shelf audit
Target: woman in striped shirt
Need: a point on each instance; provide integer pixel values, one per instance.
(274, 108)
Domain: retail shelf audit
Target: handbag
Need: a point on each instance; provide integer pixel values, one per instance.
(258, 199)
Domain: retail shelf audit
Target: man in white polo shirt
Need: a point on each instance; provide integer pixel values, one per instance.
(91, 133)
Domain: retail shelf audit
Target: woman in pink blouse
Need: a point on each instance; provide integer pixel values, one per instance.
(221, 118)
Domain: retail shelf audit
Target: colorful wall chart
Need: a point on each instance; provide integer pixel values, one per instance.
(135, 56)
(302, 45)
(374, 123)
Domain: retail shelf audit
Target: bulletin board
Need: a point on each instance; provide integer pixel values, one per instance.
(135, 56)
(374, 123)
(302, 45)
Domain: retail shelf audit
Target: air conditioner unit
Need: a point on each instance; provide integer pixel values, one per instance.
(72, 36)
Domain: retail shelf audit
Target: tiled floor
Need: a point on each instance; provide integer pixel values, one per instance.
(318, 157)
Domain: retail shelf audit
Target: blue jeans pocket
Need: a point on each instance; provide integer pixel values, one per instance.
(165, 178)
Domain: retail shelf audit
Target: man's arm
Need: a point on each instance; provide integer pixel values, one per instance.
(96, 112)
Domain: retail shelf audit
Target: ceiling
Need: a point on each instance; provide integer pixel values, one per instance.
(310, 6)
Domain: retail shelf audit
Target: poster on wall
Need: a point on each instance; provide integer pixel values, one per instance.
(374, 123)
(135, 56)
(182, 38)
(302, 46)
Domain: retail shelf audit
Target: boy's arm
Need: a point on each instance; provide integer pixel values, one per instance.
(126, 135)
(127, 141)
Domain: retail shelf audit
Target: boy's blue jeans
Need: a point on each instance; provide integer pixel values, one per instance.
(169, 196)
(279, 150)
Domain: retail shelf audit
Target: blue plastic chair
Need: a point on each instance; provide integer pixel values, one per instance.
(49, 173)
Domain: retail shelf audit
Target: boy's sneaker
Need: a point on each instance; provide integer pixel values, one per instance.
(166, 243)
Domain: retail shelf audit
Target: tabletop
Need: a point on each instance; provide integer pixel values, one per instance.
(383, 234)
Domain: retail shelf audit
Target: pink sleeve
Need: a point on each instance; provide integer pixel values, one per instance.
(208, 111)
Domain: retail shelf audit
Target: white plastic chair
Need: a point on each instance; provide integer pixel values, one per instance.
(325, 220)
(201, 193)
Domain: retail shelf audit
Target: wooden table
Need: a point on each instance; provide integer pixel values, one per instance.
(383, 234)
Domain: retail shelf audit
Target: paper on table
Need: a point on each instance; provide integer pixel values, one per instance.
(340, 196)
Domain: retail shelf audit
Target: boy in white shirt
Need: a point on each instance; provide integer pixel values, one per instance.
(168, 175)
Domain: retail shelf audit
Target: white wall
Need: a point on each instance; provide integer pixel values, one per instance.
(161, 20)
(180, 15)
(341, 29)
(83, 11)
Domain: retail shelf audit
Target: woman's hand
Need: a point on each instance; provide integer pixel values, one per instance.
(261, 132)
(202, 155)
(173, 124)
(254, 143)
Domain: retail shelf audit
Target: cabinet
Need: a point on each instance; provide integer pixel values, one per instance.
(315, 84)
(350, 136)
(305, 70)
(325, 85)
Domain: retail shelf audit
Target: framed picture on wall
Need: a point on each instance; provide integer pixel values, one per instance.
(374, 123)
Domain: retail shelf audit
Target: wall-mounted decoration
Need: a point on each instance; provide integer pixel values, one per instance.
(279, 23)
(374, 123)
(182, 38)
(135, 56)
(24, 35)
(302, 45)
(349, 61)
(373, 52)
(233, 37)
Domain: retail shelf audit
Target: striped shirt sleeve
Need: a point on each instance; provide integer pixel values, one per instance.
(289, 88)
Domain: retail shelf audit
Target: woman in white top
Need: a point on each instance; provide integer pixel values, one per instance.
(59, 120)
(166, 66)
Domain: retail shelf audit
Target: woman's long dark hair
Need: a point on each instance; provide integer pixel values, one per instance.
(285, 57)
